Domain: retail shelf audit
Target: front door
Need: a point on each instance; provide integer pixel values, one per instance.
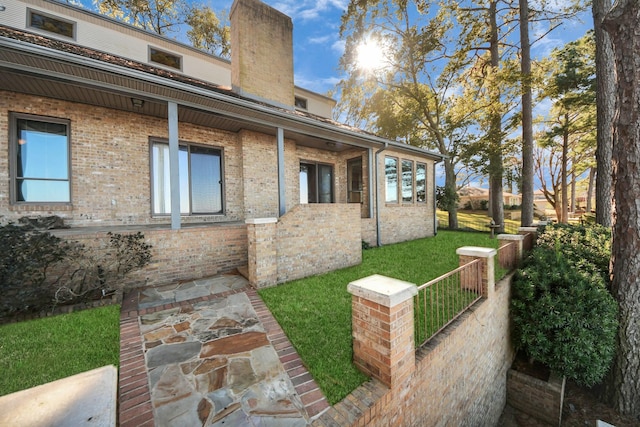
(354, 180)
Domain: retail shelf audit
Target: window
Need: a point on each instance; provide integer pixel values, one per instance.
(200, 179)
(165, 58)
(354, 180)
(407, 181)
(39, 159)
(300, 103)
(421, 182)
(50, 24)
(316, 183)
(391, 179)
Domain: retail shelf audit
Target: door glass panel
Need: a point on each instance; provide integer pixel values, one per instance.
(325, 183)
(354, 179)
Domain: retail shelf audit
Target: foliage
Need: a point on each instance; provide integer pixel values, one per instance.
(564, 316)
(446, 198)
(38, 270)
(322, 304)
(38, 351)
(587, 247)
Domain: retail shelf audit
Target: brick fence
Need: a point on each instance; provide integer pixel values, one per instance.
(457, 378)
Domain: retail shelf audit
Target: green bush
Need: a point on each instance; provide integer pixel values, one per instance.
(564, 316)
(586, 247)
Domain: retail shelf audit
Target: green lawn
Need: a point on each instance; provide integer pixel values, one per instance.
(38, 351)
(476, 221)
(315, 312)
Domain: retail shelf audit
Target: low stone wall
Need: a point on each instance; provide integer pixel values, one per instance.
(189, 253)
(459, 376)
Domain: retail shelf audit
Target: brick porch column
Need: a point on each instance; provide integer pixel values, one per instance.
(469, 253)
(262, 257)
(383, 342)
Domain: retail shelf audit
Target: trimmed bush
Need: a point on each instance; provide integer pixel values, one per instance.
(564, 316)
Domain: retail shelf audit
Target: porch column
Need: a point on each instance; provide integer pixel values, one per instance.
(467, 254)
(383, 343)
(282, 205)
(174, 171)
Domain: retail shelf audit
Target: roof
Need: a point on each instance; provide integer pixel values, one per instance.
(32, 63)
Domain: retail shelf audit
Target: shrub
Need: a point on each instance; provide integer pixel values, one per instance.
(586, 247)
(38, 270)
(484, 205)
(563, 317)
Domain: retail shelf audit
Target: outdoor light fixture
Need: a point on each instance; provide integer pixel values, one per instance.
(2, 8)
(331, 144)
(137, 103)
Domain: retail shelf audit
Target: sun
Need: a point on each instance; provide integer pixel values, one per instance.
(371, 55)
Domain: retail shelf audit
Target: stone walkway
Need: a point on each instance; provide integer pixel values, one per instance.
(209, 353)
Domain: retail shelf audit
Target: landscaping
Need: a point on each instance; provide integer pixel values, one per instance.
(43, 350)
(315, 312)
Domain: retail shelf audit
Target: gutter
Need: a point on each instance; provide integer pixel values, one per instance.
(378, 238)
(294, 121)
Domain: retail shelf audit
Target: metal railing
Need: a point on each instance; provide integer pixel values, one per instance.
(508, 256)
(442, 300)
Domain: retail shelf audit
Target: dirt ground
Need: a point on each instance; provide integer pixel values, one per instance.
(581, 408)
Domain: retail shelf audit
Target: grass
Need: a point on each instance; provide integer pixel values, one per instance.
(476, 221)
(315, 312)
(38, 351)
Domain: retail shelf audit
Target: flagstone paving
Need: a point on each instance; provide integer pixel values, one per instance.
(211, 355)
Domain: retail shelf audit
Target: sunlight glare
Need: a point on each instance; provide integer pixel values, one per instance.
(370, 56)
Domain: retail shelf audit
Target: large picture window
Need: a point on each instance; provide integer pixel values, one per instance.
(316, 183)
(40, 159)
(200, 179)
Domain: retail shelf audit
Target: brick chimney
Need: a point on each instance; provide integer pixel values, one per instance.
(262, 53)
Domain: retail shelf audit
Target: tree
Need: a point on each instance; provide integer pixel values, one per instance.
(527, 117)
(411, 95)
(571, 86)
(605, 97)
(207, 32)
(621, 23)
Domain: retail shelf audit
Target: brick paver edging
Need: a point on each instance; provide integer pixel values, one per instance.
(134, 398)
(314, 401)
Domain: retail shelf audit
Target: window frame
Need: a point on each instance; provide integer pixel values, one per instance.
(29, 25)
(315, 164)
(13, 158)
(301, 103)
(386, 184)
(411, 163)
(219, 149)
(158, 50)
(418, 164)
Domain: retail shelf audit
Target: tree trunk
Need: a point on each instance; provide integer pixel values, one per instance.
(573, 192)
(622, 24)
(495, 125)
(605, 105)
(527, 118)
(592, 177)
(563, 183)
(451, 188)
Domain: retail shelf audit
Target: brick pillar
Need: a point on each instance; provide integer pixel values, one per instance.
(262, 257)
(504, 239)
(469, 253)
(383, 342)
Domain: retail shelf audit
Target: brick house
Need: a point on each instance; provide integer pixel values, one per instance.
(221, 164)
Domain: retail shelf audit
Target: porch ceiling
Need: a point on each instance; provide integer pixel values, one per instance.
(30, 72)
